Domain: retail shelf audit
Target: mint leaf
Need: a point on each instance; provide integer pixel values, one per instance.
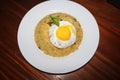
(54, 20)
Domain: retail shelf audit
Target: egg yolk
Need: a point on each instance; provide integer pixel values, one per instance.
(63, 33)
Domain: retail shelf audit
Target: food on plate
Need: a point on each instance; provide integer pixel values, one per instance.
(58, 34)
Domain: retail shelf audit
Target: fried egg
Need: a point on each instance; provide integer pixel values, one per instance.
(62, 36)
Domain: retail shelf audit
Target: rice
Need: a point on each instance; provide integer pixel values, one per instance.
(42, 39)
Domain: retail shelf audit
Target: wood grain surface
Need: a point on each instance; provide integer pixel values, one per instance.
(105, 65)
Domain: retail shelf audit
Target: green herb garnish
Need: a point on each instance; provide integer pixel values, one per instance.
(54, 20)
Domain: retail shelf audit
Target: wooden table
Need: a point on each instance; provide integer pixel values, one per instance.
(104, 65)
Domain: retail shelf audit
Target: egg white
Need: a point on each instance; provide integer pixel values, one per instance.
(57, 42)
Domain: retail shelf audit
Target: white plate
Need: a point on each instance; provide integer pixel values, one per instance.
(50, 64)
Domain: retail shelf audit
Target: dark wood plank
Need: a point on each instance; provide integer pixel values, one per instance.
(105, 64)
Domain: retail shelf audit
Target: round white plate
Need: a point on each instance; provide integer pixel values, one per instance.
(51, 64)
